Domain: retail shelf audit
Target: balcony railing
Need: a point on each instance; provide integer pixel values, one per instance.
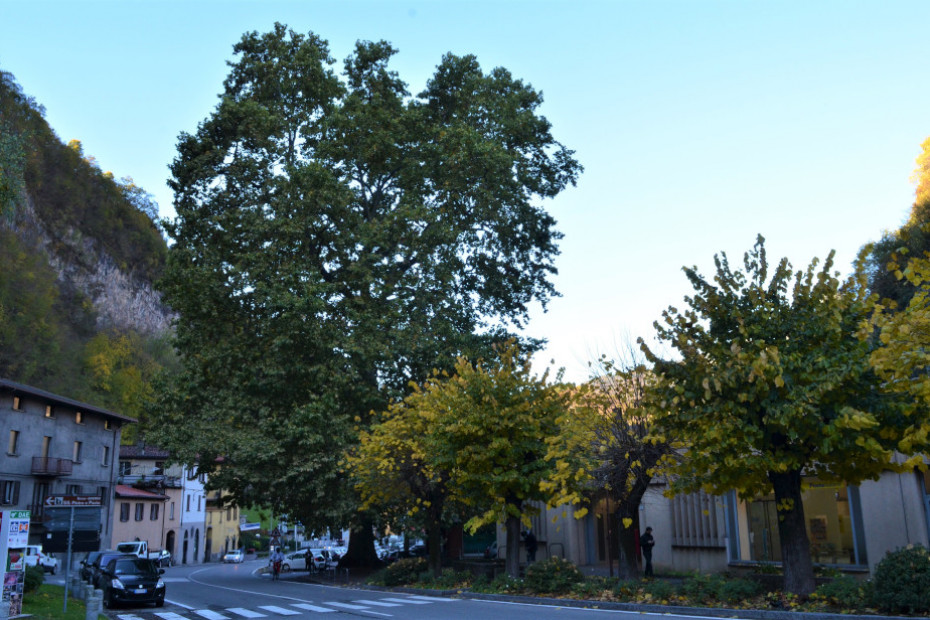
(48, 466)
(145, 481)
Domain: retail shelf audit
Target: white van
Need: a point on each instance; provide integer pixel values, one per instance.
(36, 557)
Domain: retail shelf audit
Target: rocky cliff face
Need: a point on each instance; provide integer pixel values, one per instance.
(120, 299)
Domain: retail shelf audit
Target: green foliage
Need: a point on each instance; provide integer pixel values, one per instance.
(337, 238)
(500, 584)
(404, 571)
(774, 378)
(553, 576)
(736, 590)
(845, 592)
(34, 577)
(901, 581)
(659, 589)
(447, 580)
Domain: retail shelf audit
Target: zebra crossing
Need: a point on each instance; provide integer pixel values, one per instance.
(283, 610)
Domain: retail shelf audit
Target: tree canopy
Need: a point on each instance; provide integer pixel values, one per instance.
(337, 237)
(774, 382)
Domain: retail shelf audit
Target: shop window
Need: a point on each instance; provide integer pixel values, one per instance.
(831, 511)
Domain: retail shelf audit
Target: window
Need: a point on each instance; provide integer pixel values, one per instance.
(140, 511)
(39, 493)
(17, 403)
(14, 443)
(106, 455)
(171, 514)
(107, 425)
(78, 446)
(49, 411)
(104, 496)
(698, 521)
(46, 444)
(78, 417)
(159, 468)
(10, 490)
(73, 489)
(153, 514)
(125, 468)
(198, 503)
(229, 513)
(124, 511)
(188, 502)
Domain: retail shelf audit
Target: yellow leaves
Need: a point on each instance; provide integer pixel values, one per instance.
(627, 522)
(779, 381)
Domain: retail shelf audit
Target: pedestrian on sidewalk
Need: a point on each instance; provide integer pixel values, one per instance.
(646, 543)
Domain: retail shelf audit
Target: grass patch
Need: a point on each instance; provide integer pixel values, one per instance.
(46, 604)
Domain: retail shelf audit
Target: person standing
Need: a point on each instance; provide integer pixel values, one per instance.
(646, 543)
(531, 546)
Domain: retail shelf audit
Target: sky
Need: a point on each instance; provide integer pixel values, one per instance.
(700, 124)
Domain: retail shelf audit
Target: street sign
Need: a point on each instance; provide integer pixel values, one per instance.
(73, 501)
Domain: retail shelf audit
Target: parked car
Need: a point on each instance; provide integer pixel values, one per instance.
(234, 556)
(87, 572)
(100, 563)
(36, 557)
(131, 579)
(295, 560)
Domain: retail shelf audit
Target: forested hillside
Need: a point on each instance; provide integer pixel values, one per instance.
(79, 253)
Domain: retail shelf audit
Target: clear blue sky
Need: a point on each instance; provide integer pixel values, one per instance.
(700, 124)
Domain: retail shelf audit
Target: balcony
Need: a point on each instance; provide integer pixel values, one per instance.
(150, 481)
(48, 466)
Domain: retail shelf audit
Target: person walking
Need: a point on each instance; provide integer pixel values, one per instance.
(646, 543)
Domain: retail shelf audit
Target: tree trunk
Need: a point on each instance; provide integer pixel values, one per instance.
(434, 542)
(628, 566)
(513, 546)
(792, 530)
(361, 551)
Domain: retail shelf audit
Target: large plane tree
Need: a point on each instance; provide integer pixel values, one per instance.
(337, 237)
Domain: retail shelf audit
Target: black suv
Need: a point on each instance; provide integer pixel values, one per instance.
(130, 579)
(99, 563)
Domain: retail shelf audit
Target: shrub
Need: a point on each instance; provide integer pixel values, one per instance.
(501, 584)
(404, 571)
(591, 588)
(34, 577)
(902, 581)
(735, 590)
(626, 589)
(554, 576)
(447, 580)
(844, 591)
(659, 590)
(703, 588)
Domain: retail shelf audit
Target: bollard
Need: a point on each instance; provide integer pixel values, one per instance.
(94, 605)
(88, 592)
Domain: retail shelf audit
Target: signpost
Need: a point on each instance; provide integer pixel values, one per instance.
(14, 536)
(72, 502)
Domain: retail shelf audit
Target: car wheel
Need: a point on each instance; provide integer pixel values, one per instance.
(107, 600)
(160, 602)
(285, 568)
(54, 569)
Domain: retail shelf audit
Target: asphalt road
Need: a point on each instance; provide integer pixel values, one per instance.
(240, 591)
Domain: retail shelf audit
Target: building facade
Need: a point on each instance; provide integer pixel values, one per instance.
(139, 515)
(56, 446)
(222, 526)
(850, 527)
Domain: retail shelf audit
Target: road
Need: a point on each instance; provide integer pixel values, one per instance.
(239, 592)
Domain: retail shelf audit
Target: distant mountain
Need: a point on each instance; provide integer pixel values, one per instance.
(80, 254)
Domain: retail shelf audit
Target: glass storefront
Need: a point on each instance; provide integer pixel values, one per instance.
(832, 512)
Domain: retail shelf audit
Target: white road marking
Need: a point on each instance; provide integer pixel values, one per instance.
(346, 605)
(378, 603)
(128, 617)
(169, 615)
(209, 614)
(310, 607)
(406, 601)
(245, 613)
(431, 598)
(279, 610)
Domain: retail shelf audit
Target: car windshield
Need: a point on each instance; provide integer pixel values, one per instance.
(134, 566)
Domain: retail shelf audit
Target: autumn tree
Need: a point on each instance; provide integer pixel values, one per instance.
(903, 359)
(395, 475)
(336, 238)
(608, 434)
(773, 383)
(489, 424)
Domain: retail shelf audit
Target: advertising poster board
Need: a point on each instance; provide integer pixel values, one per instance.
(14, 536)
